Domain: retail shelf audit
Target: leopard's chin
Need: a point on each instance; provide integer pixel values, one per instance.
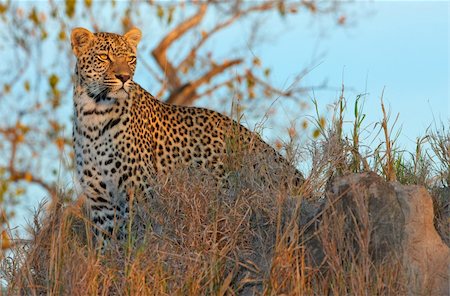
(119, 94)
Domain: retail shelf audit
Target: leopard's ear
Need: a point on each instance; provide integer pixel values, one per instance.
(133, 37)
(80, 39)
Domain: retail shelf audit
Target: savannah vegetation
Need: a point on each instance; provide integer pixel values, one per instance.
(214, 241)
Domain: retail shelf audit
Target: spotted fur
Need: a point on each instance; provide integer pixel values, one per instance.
(123, 136)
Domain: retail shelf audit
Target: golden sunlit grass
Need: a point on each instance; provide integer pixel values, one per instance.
(197, 239)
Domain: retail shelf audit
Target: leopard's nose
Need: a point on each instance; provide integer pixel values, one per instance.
(123, 77)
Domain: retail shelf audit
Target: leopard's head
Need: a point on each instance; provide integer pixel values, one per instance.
(105, 61)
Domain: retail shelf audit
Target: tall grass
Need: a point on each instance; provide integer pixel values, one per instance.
(199, 238)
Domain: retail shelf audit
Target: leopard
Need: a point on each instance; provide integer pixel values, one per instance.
(124, 137)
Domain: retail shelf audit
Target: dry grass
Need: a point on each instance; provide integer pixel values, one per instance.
(196, 238)
(439, 140)
(251, 237)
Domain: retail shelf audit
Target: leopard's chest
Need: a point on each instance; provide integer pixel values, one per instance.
(103, 154)
(113, 144)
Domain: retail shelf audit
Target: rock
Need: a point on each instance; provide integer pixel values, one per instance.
(372, 203)
(401, 226)
(425, 256)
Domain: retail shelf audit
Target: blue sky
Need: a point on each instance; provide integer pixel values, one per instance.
(401, 47)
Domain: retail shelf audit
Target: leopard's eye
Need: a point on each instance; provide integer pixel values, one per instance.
(103, 57)
(131, 59)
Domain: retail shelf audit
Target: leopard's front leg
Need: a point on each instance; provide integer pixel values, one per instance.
(108, 214)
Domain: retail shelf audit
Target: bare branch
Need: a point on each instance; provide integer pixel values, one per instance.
(236, 15)
(160, 52)
(187, 93)
(216, 87)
